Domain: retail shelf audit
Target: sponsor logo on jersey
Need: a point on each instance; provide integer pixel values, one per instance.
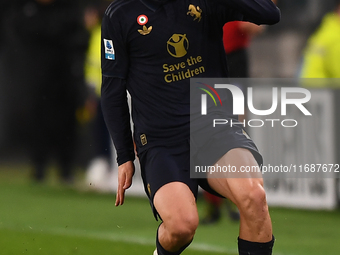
(190, 66)
(145, 30)
(177, 45)
(109, 50)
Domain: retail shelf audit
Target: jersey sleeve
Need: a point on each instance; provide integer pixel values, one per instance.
(259, 12)
(113, 48)
(117, 117)
(114, 62)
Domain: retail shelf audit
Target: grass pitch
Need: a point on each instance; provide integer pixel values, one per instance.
(53, 219)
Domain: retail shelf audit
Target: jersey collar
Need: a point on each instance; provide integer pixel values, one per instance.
(153, 5)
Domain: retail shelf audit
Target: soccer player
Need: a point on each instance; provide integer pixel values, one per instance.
(150, 49)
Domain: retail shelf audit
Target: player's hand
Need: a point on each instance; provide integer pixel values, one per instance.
(125, 174)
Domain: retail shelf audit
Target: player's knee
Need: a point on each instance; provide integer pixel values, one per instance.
(254, 201)
(183, 228)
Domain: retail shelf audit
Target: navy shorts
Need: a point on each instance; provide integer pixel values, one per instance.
(164, 164)
(209, 145)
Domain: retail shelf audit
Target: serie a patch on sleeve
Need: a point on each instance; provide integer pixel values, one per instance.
(109, 50)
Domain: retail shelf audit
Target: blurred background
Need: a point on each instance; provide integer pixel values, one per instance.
(278, 52)
(49, 81)
(275, 53)
(52, 132)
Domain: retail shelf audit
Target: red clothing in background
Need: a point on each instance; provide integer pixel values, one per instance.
(233, 37)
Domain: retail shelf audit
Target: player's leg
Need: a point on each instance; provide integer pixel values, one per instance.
(248, 194)
(166, 178)
(176, 205)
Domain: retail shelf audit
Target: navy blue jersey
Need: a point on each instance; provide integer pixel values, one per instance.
(152, 49)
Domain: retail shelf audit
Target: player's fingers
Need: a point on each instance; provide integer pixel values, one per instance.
(117, 200)
(120, 196)
(120, 190)
(128, 181)
(125, 185)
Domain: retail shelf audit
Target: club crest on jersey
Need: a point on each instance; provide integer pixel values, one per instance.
(195, 12)
(109, 50)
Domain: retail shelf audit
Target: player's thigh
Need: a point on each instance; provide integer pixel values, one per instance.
(240, 185)
(176, 204)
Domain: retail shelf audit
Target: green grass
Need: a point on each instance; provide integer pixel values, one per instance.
(53, 219)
